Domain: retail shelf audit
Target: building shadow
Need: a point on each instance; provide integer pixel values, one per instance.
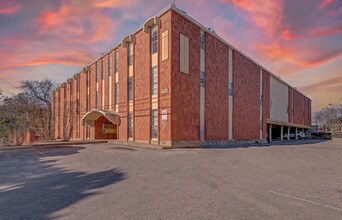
(34, 189)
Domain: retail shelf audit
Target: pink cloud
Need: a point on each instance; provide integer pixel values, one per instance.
(9, 7)
(324, 3)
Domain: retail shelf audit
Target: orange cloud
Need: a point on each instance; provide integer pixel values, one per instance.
(50, 19)
(286, 34)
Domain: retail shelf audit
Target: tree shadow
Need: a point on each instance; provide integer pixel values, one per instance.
(34, 189)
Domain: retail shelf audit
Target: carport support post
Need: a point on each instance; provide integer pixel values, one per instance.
(281, 133)
(296, 133)
(288, 133)
(270, 133)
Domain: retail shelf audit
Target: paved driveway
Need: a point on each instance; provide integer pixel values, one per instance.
(110, 181)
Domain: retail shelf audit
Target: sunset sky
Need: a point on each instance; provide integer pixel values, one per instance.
(301, 41)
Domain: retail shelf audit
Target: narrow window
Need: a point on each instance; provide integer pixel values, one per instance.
(102, 69)
(230, 89)
(130, 54)
(130, 88)
(130, 125)
(97, 99)
(110, 66)
(202, 40)
(154, 123)
(154, 80)
(202, 79)
(116, 93)
(154, 39)
(96, 73)
(117, 61)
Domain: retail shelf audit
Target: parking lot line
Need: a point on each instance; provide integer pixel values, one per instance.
(305, 200)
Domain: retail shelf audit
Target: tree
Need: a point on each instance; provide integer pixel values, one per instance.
(40, 93)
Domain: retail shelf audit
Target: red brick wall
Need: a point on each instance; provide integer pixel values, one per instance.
(297, 107)
(142, 92)
(113, 81)
(74, 105)
(56, 112)
(246, 110)
(185, 87)
(290, 91)
(106, 83)
(216, 89)
(265, 102)
(123, 92)
(164, 78)
(92, 91)
(83, 102)
(62, 110)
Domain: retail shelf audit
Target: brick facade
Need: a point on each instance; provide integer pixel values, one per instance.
(178, 96)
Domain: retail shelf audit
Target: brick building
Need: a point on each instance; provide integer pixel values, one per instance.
(176, 83)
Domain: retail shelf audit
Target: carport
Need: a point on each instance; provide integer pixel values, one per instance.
(278, 130)
(105, 122)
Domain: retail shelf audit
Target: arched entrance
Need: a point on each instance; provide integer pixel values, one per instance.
(105, 122)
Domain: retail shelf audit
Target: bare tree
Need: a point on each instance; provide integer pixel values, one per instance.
(40, 93)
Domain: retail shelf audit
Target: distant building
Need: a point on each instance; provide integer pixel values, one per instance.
(175, 82)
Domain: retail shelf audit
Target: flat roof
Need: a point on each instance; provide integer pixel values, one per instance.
(205, 29)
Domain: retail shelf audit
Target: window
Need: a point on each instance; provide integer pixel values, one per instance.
(96, 73)
(154, 39)
(102, 69)
(117, 61)
(230, 89)
(110, 66)
(97, 99)
(130, 125)
(261, 98)
(130, 88)
(116, 93)
(165, 45)
(154, 123)
(130, 54)
(183, 54)
(202, 40)
(154, 80)
(202, 79)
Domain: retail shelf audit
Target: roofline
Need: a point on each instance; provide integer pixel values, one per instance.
(205, 29)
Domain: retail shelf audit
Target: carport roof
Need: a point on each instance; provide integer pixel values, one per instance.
(91, 116)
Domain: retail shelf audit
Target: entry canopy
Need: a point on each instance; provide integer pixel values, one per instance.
(93, 115)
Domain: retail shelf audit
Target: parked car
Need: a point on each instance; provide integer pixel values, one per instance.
(300, 135)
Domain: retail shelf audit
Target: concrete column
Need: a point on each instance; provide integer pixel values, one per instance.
(288, 133)
(281, 133)
(270, 133)
(296, 133)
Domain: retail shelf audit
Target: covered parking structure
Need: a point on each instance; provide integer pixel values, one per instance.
(105, 122)
(279, 130)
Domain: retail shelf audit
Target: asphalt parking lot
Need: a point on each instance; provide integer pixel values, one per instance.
(108, 181)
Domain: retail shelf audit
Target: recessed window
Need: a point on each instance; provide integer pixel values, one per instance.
(96, 72)
(102, 69)
(154, 123)
(202, 40)
(97, 99)
(154, 80)
(130, 125)
(202, 79)
(230, 89)
(154, 39)
(110, 66)
(116, 93)
(130, 88)
(116, 61)
(130, 54)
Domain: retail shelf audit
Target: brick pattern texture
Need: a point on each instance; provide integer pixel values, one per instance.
(216, 89)
(246, 110)
(185, 87)
(265, 102)
(142, 94)
(123, 93)
(164, 78)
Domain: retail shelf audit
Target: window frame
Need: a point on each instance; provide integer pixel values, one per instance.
(154, 39)
(154, 80)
